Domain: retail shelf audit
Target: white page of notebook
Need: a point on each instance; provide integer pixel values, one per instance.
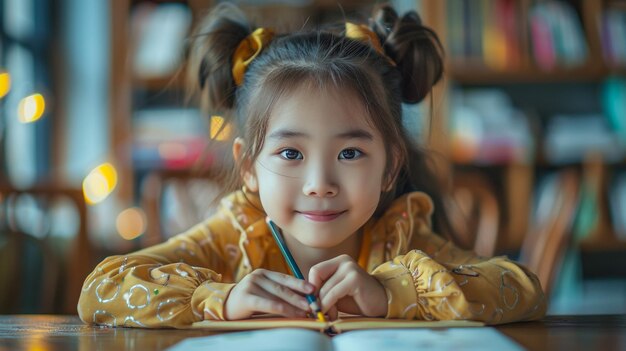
(290, 339)
(425, 339)
(280, 339)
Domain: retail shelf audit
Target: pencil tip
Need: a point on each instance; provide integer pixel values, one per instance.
(320, 316)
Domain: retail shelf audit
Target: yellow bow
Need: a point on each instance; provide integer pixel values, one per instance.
(247, 50)
(362, 33)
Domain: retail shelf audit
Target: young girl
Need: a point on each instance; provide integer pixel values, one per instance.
(323, 153)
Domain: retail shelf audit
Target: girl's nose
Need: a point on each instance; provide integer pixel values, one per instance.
(320, 184)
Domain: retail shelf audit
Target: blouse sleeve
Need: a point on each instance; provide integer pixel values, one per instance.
(436, 280)
(172, 284)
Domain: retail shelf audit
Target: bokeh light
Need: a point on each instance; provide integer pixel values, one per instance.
(31, 108)
(99, 183)
(5, 84)
(131, 223)
(219, 131)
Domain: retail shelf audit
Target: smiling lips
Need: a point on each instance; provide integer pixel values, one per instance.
(321, 216)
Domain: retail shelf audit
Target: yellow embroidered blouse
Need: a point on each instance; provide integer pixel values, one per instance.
(188, 278)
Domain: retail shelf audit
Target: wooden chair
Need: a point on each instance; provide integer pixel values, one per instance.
(546, 242)
(61, 274)
(474, 214)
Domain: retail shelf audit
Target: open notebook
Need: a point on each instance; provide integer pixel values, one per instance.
(345, 322)
(291, 339)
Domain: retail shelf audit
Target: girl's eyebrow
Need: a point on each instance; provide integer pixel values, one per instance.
(350, 134)
(356, 134)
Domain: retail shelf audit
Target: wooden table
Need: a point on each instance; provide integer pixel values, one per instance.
(49, 332)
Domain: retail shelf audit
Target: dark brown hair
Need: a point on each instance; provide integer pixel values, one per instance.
(325, 58)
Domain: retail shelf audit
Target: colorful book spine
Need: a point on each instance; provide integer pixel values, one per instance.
(543, 48)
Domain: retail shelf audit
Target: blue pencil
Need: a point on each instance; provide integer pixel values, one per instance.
(294, 267)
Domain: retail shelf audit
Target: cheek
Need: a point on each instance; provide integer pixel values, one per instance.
(371, 191)
(363, 187)
(270, 181)
(276, 192)
(368, 176)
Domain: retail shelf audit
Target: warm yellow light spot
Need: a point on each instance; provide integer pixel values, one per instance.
(219, 130)
(495, 49)
(99, 183)
(5, 84)
(31, 108)
(171, 150)
(131, 223)
(38, 343)
(38, 340)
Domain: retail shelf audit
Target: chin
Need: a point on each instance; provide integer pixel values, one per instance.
(319, 241)
(319, 245)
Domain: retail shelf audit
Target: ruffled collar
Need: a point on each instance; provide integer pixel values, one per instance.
(383, 238)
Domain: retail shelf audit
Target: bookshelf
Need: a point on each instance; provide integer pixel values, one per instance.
(523, 62)
(569, 87)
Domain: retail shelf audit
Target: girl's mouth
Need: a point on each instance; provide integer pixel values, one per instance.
(321, 216)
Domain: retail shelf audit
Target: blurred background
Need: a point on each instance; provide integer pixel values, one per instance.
(102, 152)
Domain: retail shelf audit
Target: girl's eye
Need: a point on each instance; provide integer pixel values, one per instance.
(350, 154)
(291, 154)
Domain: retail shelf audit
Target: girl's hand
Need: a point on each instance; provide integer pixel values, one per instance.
(346, 287)
(265, 291)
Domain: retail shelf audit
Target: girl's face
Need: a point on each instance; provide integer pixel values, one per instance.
(321, 169)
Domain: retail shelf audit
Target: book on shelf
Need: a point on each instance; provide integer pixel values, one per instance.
(557, 35)
(486, 31)
(455, 29)
(474, 44)
(362, 340)
(487, 129)
(509, 20)
(613, 36)
(569, 138)
(542, 43)
(501, 34)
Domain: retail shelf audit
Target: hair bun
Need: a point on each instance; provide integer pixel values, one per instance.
(415, 49)
(210, 52)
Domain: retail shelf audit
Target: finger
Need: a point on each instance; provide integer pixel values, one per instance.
(293, 283)
(333, 313)
(341, 289)
(345, 269)
(330, 283)
(323, 270)
(282, 292)
(261, 301)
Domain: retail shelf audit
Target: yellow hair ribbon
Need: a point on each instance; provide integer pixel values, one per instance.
(363, 33)
(247, 50)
